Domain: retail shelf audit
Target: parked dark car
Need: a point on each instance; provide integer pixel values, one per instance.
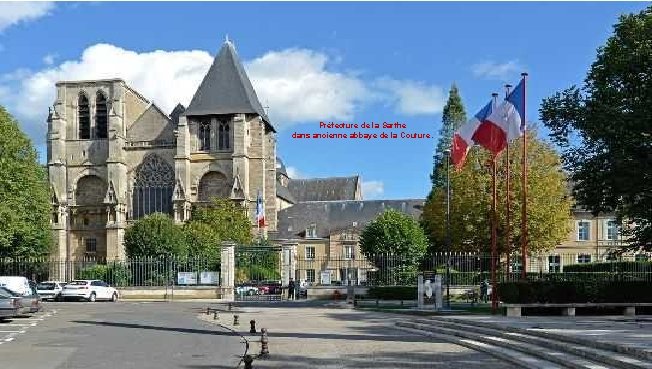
(269, 288)
(10, 305)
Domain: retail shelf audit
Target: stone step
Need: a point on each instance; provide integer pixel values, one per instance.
(516, 358)
(607, 357)
(560, 358)
(641, 354)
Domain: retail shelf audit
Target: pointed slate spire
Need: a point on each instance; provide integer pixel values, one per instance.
(226, 89)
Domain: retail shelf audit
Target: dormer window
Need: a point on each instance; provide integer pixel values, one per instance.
(311, 232)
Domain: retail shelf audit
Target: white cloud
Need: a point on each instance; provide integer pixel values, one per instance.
(294, 173)
(372, 189)
(49, 59)
(296, 84)
(497, 71)
(14, 12)
(411, 97)
(298, 87)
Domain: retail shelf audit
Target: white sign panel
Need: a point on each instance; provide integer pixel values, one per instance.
(209, 278)
(186, 278)
(325, 277)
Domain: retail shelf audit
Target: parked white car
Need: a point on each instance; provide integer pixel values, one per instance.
(20, 285)
(50, 290)
(89, 290)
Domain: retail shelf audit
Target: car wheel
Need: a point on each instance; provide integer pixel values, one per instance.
(114, 298)
(91, 298)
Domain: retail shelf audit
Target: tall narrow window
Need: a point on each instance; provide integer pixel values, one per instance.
(84, 118)
(223, 131)
(101, 116)
(204, 136)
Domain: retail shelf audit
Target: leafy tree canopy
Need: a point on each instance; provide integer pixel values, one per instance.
(549, 207)
(605, 128)
(155, 235)
(394, 232)
(224, 220)
(24, 194)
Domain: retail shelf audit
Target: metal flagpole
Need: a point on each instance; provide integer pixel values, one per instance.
(524, 190)
(508, 201)
(494, 251)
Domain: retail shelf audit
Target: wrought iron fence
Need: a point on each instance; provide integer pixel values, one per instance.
(467, 269)
(144, 271)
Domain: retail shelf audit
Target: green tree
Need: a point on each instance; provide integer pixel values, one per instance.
(393, 232)
(24, 194)
(605, 128)
(155, 235)
(452, 118)
(223, 220)
(549, 207)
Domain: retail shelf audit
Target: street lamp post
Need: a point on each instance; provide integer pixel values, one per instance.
(448, 228)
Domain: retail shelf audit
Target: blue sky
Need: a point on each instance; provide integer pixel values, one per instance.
(343, 62)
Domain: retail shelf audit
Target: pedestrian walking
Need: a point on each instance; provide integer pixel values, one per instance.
(291, 289)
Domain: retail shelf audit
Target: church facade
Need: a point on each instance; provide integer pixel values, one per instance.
(114, 157)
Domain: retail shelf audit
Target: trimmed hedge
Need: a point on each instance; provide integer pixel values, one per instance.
(574, 292)
(393, 293)
(611, 267)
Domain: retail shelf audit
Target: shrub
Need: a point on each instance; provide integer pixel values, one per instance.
(574, 292)
(393, 293)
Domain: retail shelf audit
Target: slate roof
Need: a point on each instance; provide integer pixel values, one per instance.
(329, 216)
(226, 89)
(324, 189)
(284, 193)
(176, 113)
(152, 125)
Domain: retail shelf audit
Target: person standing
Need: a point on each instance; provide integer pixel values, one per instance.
(291, 288)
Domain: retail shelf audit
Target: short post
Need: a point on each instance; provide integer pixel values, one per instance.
(215, 315)
(208, 310)
(264, 343)
(236, 322)
(230, 306)
(247, 359)
(253, 326)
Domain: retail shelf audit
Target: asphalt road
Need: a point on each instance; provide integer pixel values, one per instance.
(122, 335)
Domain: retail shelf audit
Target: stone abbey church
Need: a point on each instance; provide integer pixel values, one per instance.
(114, 157)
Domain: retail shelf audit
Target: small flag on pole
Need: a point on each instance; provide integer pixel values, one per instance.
(260, 211)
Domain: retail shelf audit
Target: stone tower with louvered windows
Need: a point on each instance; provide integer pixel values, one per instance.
(115, 157)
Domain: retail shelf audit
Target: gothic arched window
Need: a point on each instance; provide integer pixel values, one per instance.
(223, 131)
(101, 116)
(84, 114)
(153, 187)
(204, 136)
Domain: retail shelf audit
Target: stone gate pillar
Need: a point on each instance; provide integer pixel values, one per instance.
(288, 262)
(227, 270)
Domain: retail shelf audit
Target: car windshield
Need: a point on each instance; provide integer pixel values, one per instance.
(78, 283)
(8, 291)
(45, 286)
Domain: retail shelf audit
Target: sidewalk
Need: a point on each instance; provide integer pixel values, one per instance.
(318, 337)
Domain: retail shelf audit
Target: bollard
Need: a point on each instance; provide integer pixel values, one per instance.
(230, 306)
(208, 310)
(235, 320)
(247, 359)
(253, 326)
(215, 316)
(264, 343)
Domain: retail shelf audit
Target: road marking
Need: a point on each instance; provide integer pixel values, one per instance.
(16, 325)
(12, 331)
(9, 339)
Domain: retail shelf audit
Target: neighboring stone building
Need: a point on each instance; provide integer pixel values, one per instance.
(324, 235)
(114, 157)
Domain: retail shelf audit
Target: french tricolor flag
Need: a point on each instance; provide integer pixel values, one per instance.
(492, 127)
(505, 123)
(260, 211)
(463, 137)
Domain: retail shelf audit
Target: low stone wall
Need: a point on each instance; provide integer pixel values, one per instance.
(328, 292)
(179, 292)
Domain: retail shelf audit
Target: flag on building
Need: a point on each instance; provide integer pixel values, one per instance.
(463, 137)
(260, 211)
(505, 123)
